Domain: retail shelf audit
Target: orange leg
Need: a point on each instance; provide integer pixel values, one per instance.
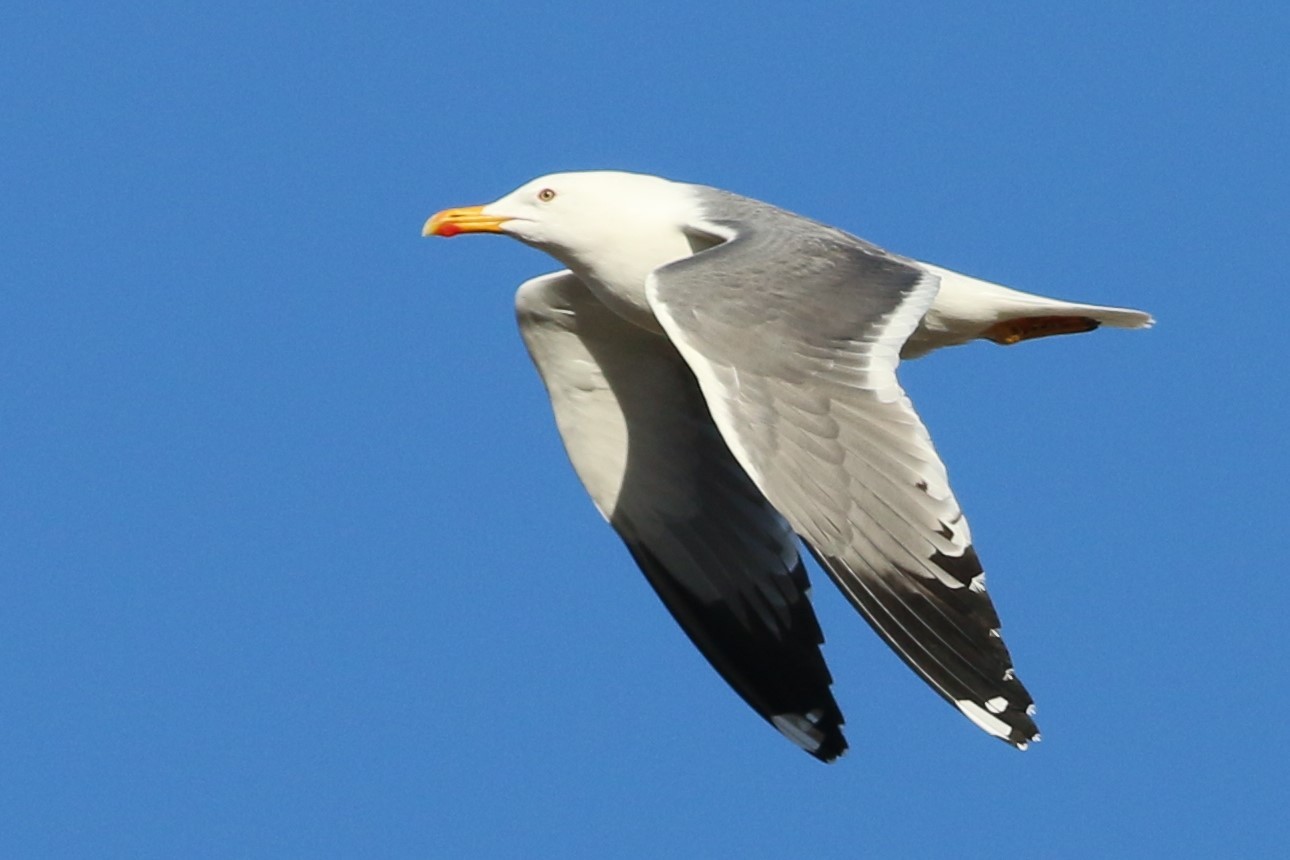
(1026, 328)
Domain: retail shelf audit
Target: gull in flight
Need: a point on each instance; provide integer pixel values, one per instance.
(723, 375)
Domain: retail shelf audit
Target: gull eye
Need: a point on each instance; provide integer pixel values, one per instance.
(546, 195)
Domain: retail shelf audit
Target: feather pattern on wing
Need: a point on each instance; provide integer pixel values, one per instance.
(723, 561)
(793, 330)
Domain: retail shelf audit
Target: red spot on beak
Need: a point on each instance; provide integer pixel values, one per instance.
(448, 230)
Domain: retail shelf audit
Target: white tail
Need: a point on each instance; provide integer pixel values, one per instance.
(967, 308)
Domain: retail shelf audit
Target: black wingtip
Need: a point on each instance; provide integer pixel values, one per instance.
(778, 670)
(832, 749)
(817, 733)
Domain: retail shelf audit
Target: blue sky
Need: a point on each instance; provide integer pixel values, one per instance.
(292, 563)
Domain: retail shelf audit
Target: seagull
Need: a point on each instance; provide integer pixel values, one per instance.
(723, 376)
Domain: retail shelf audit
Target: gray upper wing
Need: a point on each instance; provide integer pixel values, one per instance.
(793, 330)
(724, 562)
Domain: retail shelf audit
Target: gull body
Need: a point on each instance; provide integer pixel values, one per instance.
(612, 229)
(722, 373)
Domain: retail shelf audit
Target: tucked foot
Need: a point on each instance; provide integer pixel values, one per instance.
(1013, 331)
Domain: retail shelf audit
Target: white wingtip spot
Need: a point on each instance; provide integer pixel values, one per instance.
(997, 705)
(996, 634)
(983, 718)
(1010, 675)
(1030, 711)
(800, 730)
(978, 583)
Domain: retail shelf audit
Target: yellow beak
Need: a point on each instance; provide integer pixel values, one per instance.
(466, 219)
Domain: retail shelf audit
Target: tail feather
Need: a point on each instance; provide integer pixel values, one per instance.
(1013, 303)
(967, 308)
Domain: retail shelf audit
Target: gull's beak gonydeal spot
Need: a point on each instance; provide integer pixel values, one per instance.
(465, 219)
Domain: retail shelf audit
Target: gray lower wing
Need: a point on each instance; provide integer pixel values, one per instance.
(723, 561)
(793, 331)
